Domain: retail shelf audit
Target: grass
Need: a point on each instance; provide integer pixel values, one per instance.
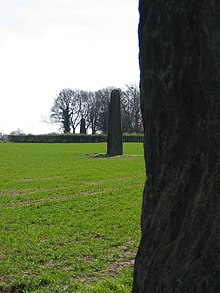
(69, 218)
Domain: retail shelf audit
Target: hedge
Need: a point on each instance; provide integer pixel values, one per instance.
(73, 138)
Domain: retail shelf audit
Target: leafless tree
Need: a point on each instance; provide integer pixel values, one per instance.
(61, 111)
(131, 111)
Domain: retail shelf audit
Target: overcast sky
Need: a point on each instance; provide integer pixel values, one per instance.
(48, 45)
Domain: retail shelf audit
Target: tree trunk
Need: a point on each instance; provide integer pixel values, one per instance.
(180, 94)
(114, 145)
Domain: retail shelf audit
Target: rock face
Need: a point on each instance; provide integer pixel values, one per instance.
(179, 45)
(114, 140)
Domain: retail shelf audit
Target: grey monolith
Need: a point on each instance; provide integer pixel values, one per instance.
(83, 126)
(179, 45)
(114, 138)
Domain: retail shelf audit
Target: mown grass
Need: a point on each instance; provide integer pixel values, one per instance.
(69, 217)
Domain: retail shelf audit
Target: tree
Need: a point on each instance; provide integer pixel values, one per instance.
(92, 110)
(61, 111)
(76, 109)
(131, 110)
(68, 109)
(17, 132)
(85, 99)
(102, 98)
(71, 106)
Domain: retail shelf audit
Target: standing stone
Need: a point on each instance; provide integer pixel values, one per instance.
(180, 94)
(83, 126)
(114, 140)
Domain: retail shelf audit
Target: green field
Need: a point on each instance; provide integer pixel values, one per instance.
(70, 217)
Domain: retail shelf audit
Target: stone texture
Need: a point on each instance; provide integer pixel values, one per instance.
(179, 45)
(114, 139)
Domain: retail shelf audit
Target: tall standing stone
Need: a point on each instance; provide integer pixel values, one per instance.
(83, 126)
(180, 94)
(114, 139)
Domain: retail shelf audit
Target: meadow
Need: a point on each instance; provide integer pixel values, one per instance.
(70, 217)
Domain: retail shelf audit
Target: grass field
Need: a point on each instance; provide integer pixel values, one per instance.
(69, 219)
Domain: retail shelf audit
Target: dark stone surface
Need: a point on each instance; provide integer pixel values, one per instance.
(114, 139)
(180, 94)
(83, 126)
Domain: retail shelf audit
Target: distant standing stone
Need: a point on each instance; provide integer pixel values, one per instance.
(83, 126)
(114, 141)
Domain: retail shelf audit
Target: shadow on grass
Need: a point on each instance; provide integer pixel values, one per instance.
(102, 156)
(105, 156)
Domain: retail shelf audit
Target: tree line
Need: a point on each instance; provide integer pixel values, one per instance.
(73, 107)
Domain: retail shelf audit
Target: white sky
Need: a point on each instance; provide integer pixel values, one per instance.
(48, 45)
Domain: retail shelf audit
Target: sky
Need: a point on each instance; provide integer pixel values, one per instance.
(49, 45)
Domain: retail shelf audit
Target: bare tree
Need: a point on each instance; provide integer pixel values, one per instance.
(76, 109)
(71, 106)
(68, 109)
(131, 111)
(103, 99)
(17, 132)
(91, 111)
(62, 109)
